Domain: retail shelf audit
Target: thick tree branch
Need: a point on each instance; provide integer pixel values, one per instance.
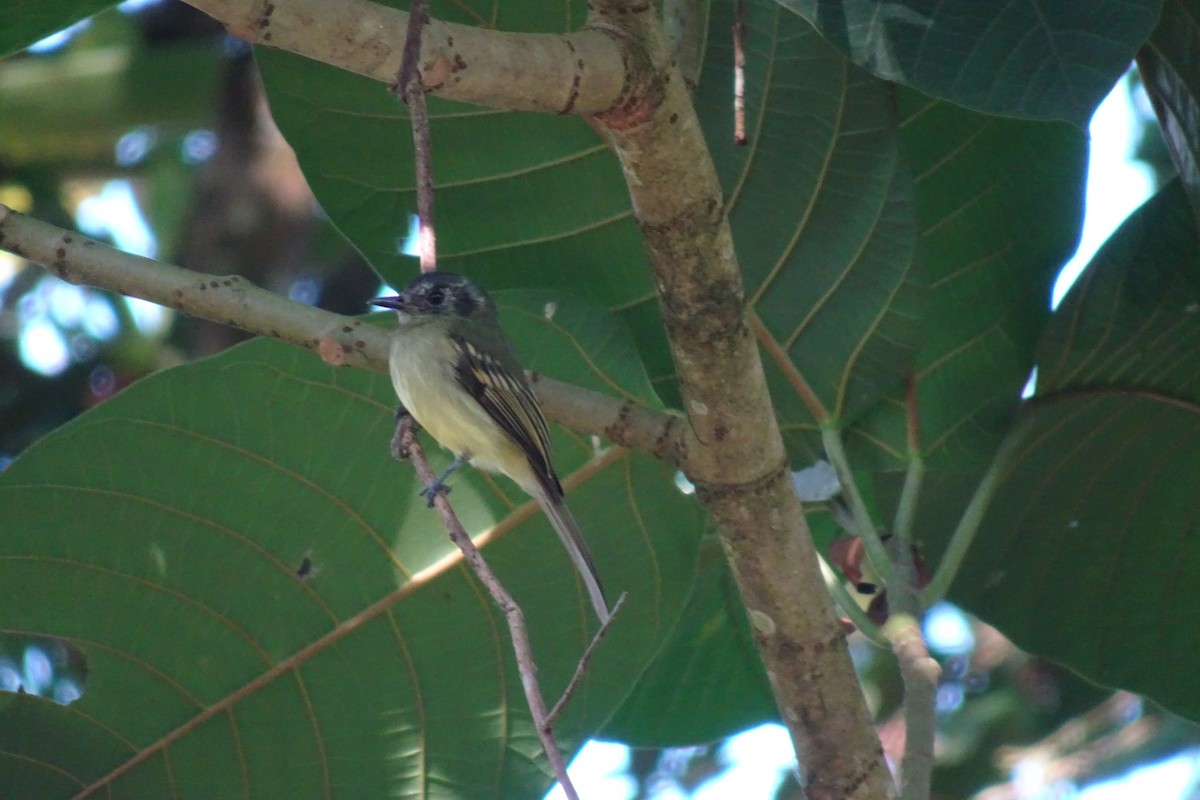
(233, 300)
(734, 452)
(580, 73)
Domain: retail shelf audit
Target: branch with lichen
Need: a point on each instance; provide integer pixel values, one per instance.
(734, 452)
(579, 73)
(339, 340)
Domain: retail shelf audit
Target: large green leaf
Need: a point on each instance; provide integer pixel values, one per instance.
(822, 212)
(707, 680)
(828, 234)
(1000, 203)
(1093, 529)
(24, 22)
(268, 609)
(1042, 59)
(825, 233)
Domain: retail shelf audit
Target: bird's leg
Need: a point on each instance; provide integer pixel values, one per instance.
(439, 484)
(404, 422)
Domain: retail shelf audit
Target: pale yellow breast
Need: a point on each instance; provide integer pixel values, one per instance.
(422, 369)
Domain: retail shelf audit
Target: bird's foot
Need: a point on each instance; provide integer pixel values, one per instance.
(439, 484)
(431, 491)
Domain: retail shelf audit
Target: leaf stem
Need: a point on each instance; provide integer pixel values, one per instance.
(876, 552)
(906, 509)
(972, 517)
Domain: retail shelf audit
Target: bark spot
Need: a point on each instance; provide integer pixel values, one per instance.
(331, 351)
(761, 622)
(436, 73)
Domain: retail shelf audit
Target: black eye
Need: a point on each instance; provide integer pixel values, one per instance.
(436, 296)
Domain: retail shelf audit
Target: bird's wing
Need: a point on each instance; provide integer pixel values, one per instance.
(508, 400)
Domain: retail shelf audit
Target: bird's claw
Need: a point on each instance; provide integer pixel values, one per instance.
(431, 491)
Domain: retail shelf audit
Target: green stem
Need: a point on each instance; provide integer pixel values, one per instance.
(876, 552)
(909, 495)
(972, 517)
(907, 507)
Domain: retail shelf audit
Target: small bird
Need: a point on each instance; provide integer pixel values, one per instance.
(456, 372)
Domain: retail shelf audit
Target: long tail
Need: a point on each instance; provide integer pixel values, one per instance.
(572, 538)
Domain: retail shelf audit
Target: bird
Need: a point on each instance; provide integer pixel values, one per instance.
(457, 374)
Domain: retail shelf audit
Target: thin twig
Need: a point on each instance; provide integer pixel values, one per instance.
(526, 666)
(739, 73)
(411, 88)
(584, 661)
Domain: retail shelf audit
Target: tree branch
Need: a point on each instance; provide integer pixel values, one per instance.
(233, 300)
(579, 73)
(734, 452)
(920, 673)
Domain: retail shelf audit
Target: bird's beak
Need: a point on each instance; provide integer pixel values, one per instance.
(395, 303)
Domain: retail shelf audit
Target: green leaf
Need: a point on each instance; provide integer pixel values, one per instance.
(1044, 59)
(1000, 205)
(823, 216)
(825, 234)
(1170, 71)
(269, 610)
(1093, 528)
(707, 680)
(25, 22)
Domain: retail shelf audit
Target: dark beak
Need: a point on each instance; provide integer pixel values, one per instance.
(395, 303)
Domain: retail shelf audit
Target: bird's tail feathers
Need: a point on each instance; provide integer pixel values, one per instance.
(572, 538)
